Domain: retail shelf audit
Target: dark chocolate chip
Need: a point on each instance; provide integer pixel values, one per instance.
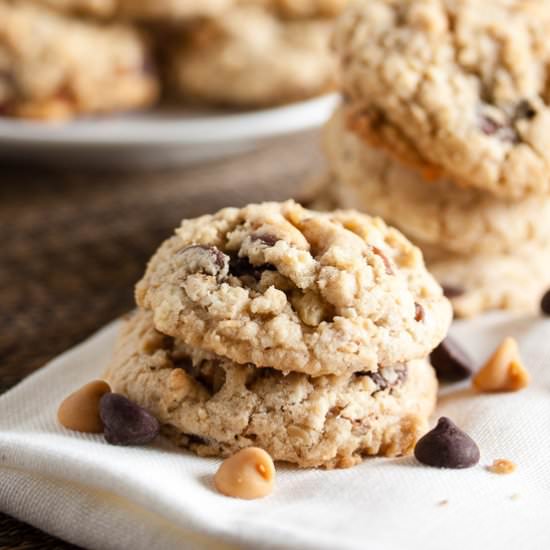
(241, 266)
(387, 263)
(451, 291)
(524, 109)
(126, 423)
(545, 303)
(266, 238)
(200, 258)
(418, 312)
(447, 446)
(194, 439)
(491, 127)
(382, 381)
(450, 361)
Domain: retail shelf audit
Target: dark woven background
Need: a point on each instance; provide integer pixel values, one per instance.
(73, 243)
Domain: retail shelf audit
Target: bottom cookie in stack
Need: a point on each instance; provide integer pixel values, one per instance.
(215, 407)
(487, 252)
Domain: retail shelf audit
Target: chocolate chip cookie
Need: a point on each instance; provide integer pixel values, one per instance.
(216, 407)
(157, 10)
(53, 66)
(454, 88)
(250, 58)
(515, 280)
(438, 213)
(280, 286)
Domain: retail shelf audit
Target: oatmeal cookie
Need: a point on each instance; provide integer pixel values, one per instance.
(280, 286)
(249, 58)
(216, 407)
(463, 220)
(454, 88)
(47, 70)
(171, 10)
(480, 282)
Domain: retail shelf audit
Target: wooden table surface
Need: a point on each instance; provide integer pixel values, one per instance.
(74, 242)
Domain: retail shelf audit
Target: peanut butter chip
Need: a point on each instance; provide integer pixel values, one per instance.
(504, 371)
(80, 410)
(249, 473)
(502, 466)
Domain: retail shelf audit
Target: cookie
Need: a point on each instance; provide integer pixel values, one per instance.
(480, 282)
(95, 8)
(462, 220)
(47, 71)
(303, 9)
(163, 10)
(171, 10)
(280, 286)
(453, 90)
(215, 407)
(249, 58)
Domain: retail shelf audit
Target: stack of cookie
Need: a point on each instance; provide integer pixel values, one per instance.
(306, 334)
(243, 53)
(444, 133)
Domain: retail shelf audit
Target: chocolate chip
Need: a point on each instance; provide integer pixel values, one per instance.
(387, 263)
(545, 303)
(206, 259)
(241, 267)
(266, 238)
(524, 109)
(418, 312)
(450, 361)
(447, 446)
(126, 423)
(491, 127)
(386, 377)
(451, 291)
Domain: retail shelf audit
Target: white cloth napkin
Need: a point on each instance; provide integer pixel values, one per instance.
(99, 496)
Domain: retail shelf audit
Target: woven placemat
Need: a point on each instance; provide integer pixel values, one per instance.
(74, 244)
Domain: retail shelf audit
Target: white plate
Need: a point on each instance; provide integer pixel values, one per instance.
(161, 136)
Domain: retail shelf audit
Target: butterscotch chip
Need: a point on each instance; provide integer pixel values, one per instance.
(502, 466)
(504, 370)
(248, 474)
(80, 410)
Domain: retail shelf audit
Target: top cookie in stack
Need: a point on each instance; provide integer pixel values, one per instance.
(301, 332)
(445, 120)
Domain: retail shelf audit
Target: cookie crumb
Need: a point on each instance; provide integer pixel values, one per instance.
(443, 503)
(502, 466)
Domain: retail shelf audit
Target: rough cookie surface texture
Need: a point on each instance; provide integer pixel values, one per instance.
(516, 280)
(453, 87)
(280, 286)
(438, 212)
(216, 407)
(47, 69)
(248, 57)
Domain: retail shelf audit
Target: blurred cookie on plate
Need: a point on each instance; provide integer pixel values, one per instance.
(169, 10)
(250, 58)
(56, 67)
(163, 10)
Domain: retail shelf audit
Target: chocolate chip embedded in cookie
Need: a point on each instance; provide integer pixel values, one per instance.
(216, 407)
(453, 89)
(280, 286)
